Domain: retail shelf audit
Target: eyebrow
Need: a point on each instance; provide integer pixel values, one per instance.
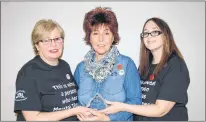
(106, 29)
(155, 28)
(45, 38)
(152, 28)
(98, 30)
(94, 30)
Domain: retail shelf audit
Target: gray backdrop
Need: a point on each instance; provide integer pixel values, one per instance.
(186, 19)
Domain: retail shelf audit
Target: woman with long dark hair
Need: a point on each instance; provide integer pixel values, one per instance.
(164, 77)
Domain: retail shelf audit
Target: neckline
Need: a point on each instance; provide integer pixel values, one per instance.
(46, 65)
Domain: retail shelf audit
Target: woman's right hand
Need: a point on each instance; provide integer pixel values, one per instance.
(113, 107)
(80, 109)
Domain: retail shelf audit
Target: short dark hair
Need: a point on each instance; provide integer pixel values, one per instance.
(100, 15)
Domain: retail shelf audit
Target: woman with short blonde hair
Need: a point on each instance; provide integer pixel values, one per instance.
(45, 87)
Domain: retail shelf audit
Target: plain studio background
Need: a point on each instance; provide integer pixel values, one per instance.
(186, 19)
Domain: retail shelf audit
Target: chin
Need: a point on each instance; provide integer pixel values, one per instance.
(55, 56)
(149, 48)
(101, 52)
(154, 48)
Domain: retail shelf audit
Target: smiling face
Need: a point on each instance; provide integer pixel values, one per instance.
(101, 39)
(50, 52)
(153, 42)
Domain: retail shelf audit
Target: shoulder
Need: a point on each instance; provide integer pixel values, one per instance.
(27, 71)
(64, 63)
(176, 63)
(177, 67)
(29, 67)
(80, 65)
(124, 58)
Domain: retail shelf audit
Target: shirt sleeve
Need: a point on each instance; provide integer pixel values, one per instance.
(76, 75)
(175, 83)
(27, 96)
(133, 91)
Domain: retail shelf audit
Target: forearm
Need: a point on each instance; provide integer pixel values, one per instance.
(50, 116)
(145, 110)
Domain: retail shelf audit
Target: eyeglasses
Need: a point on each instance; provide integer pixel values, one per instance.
(153, 34)
(49, 41)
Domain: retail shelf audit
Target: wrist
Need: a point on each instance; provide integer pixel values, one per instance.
(106, 118)
(74, 111)
(123, 107)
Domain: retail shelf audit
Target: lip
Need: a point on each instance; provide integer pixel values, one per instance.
(100, 45)
(150, 42)
(53, 50)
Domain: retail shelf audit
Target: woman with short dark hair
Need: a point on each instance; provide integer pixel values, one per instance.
(105, 74)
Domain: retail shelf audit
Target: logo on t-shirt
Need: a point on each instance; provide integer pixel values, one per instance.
(20, 95)
(68, 76)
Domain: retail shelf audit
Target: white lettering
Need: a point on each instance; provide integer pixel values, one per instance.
(145, 89)
(65, 101)
(151, 83)
(70, 84)
(143, 96)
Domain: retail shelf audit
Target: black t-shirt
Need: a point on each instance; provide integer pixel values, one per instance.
(170, 84)
(45, 88)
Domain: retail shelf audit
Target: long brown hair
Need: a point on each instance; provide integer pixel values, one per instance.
(169, 47)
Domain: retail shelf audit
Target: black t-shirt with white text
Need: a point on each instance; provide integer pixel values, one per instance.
(170, 84)
(45, 88)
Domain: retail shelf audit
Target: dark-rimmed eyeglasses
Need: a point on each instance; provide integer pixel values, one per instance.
(153, 34)
(49, 41)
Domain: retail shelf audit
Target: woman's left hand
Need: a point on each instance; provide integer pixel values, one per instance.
(113, 108)
(97, 116)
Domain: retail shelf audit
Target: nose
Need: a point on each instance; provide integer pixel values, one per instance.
(53, 43)
(101, 38)
(150, 35)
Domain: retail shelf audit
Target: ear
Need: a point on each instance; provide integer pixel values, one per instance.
(113, 41)
(37, 47)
